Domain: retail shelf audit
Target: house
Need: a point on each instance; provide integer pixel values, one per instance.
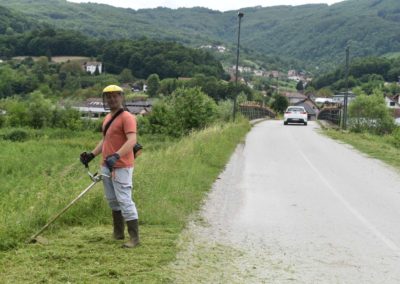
(221, 48)
(258, 73)
(93, 108)
(294, 98)
(323, 100)
(273, 74)
(295, 78)
(243, 69)
(139, 107)
(310, 107)
(339, 97)
(392, 102)
(92, 66)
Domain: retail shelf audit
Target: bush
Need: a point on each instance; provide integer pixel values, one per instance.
(280, 103)
(395, 138)
(185, 110)
(17, 135)
(2, 120)
(224, 110)
(370, 114)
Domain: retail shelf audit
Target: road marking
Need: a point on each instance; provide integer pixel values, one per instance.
(357, 214)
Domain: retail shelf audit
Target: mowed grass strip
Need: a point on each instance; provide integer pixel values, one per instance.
(379, 147)
(170, 184)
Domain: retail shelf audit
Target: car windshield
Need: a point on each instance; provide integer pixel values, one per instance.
(295, 109)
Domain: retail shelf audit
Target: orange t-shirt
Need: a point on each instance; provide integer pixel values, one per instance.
(116, 137)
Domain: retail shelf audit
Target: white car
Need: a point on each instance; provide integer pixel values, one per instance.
(295, 114)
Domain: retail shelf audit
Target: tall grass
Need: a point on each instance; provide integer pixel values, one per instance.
(38, 178)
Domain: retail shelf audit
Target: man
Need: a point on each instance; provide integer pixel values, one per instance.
(118, 163)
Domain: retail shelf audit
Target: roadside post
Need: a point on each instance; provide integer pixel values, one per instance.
(345, 100)
(240, 16)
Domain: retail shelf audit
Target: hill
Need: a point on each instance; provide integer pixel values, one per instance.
(27, 37)
(315, 34)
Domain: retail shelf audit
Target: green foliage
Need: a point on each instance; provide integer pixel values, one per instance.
(17, 113)
(38, 112)
(369, 113)
(167, 195)
(300, 86)
(126, 76)
(368, 73)
(316, 34)
(166, 59)
(380, 147)
(280, 103)
(395, 138)
(185, 110)
(224, 110)
(17, 135)
(153, 83)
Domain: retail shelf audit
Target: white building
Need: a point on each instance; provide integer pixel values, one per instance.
(258, 72)
(339, 98)
(91, 67)
(391, 103)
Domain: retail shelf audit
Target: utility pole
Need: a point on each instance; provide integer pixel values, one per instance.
(240, 16)
(344, 122)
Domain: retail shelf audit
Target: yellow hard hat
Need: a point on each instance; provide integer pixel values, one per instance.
(112, 88)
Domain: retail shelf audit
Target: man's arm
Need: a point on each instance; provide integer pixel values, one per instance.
(98, 148)
(128, 145)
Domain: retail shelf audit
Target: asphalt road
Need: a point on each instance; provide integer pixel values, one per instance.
(294, 206)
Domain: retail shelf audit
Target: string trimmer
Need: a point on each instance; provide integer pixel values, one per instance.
(95, 178)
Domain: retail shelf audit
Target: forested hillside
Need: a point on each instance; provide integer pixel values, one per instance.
(143, 57)
(368, 74)
(315, 34)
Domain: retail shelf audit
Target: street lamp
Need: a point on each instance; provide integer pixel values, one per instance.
(240, 16)
(345, 101)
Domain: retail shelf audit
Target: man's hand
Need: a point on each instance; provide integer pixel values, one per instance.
(111, 160)
(137, 150)
(86, 157)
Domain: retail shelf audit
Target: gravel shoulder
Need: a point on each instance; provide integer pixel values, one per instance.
(293, 206)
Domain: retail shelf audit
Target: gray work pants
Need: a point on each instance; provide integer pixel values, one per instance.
(118, 191)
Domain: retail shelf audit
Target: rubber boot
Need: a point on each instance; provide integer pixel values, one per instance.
(119, 226)
(133, 230)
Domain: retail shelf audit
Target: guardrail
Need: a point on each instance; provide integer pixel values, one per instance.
(331, 114)
(254, 110)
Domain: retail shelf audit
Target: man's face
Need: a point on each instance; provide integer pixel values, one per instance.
(114, 100)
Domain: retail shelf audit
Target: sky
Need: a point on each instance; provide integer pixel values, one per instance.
(211, 4)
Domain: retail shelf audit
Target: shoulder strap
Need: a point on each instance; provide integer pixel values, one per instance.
(111, 120)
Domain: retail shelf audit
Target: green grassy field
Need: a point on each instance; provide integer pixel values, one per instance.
(40, 176)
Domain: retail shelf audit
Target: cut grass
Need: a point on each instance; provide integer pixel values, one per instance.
(43, 176)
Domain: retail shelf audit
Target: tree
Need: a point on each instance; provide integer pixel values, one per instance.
(325, 92)
(39, 110)
(126, 76)
(193, 109)
(300, 86)
(369, 113)
(280, 103)
(96, 71)
(153, 83)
